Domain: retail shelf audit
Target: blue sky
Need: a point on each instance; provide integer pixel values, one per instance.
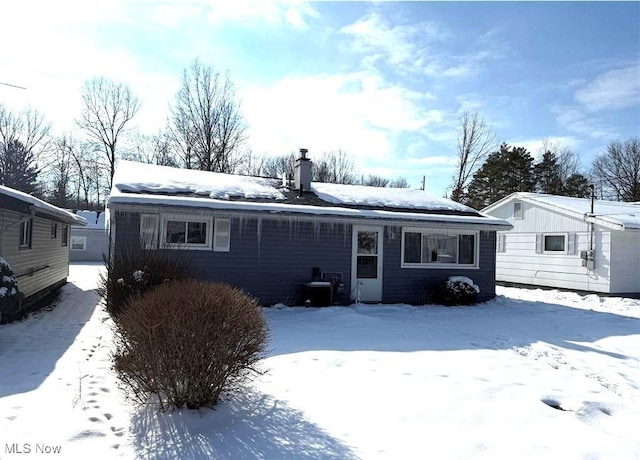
(386, 82)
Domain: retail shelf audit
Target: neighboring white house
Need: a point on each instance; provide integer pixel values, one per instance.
(559, 242)
(89, 243)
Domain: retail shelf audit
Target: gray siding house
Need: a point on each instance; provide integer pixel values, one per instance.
(89, 243)
(298, 241)
(34, 240)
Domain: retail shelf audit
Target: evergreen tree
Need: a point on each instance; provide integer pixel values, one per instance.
(508, 170)
(577, 186)
(547, 175)
(18, 168)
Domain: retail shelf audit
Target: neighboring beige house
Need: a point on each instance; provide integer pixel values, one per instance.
(558, 241)
(34, 240)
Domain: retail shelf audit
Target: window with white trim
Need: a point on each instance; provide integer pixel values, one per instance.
(186, 232)
(554, 243)
(435, 248)
(78, 243)
(26, 233)
(54, 230)
(65, 235)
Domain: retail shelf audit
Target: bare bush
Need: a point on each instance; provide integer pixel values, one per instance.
(133, 271)
(186, 342)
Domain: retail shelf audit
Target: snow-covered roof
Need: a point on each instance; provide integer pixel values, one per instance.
(43, 206)
(134, 177)
(142, 184)
(613, 214)
(385, 196)
(94, 219)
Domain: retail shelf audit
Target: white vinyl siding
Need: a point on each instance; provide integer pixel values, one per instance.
(521, 263)
(625, 262)
(222, 235)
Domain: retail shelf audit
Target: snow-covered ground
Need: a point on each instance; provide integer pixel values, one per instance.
(368, 382)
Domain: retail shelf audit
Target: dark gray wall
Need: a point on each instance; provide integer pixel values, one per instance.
(412, 285)
(273, 258)
(268, 258)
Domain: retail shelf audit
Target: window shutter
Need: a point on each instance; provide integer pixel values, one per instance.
(222, 235)
(571, 243)
(501, 242)
(149, 231)
(538, 243)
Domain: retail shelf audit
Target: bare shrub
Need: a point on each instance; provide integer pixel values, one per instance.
(134, 271)
(187, 341)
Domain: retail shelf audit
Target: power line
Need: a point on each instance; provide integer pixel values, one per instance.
(14, 86)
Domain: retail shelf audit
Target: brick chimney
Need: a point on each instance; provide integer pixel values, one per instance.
(302, 172)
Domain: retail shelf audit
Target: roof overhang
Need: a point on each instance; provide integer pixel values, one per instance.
(151, 203)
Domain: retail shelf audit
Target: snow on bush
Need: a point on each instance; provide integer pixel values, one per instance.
(457, 290)
(132, 271)
(10, 295)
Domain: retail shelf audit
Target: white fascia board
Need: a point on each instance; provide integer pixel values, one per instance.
(286, 211)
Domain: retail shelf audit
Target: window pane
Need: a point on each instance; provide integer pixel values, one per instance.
(466, 249)
(439, 249)
(367, 267)
(197, 232)
(412, 247)
(176, 232)
(554, 243)
(367, 242)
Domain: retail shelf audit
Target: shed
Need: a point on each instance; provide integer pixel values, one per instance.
(34, 240)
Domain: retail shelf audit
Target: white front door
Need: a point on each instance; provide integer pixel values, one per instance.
(366, 265)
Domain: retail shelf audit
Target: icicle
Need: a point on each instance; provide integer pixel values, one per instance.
(259, 233)
(316, 229)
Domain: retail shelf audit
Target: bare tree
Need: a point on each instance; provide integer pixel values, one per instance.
(61, 171)
(108, 107)
(373, 180)
(27, 127)
(335, 167)
(208, 127)
(399, 182)
(152, 149)
(618, 169)
(566, 160)
(475, 141)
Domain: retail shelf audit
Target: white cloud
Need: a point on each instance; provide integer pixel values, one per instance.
(401, 44)
(294, 13)
(576, 120)
(535, 146)
(615, 89)
(356, 112)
